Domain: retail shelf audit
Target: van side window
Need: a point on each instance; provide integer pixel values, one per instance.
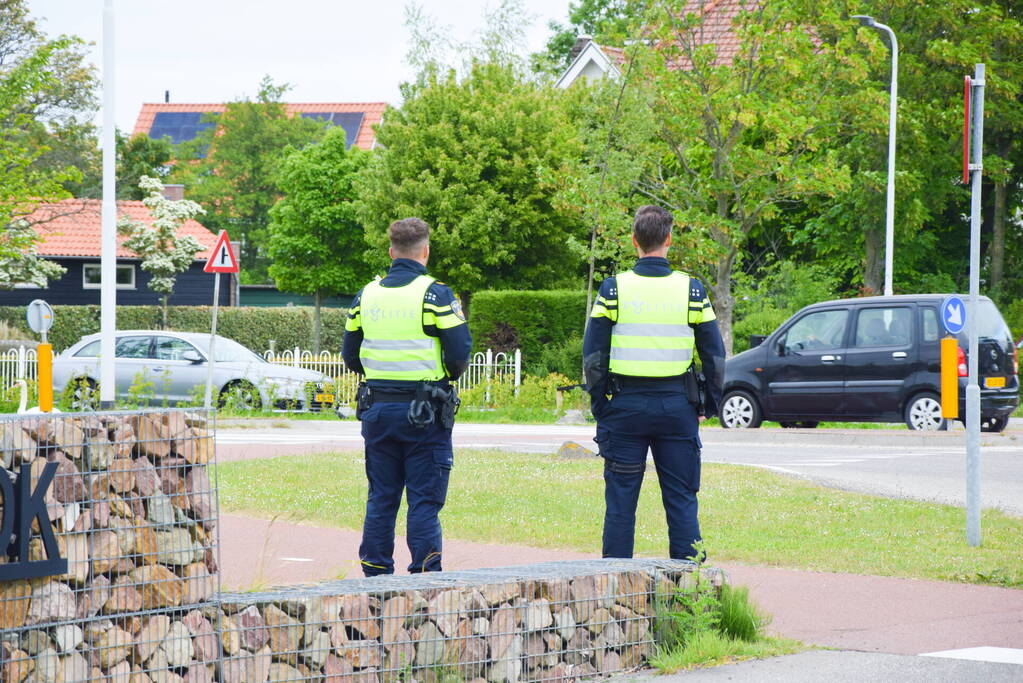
(930, 324)
(818, 331)
(884, 327)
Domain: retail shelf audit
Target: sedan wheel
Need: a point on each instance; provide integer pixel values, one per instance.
(739, 410)
(924, 414)
(240, 396)
(82, 394)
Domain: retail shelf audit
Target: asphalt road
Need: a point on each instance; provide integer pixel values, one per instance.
(896, 463)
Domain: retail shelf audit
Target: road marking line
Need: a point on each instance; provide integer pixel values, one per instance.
(1003, 655)
(297, 559)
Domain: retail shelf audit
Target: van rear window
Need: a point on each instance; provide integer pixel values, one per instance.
(990, 324)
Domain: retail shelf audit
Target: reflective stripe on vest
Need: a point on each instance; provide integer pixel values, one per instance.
(652, 336)
(394, 345)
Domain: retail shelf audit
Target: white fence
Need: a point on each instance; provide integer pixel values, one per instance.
(484, 368)
(15, 364)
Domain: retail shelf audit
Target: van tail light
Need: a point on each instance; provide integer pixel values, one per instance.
(1015, 360)
(961, 362)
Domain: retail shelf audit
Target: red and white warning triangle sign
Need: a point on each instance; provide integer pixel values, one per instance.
(222, 258)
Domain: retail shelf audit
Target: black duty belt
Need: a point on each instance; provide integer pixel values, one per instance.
(675, 383)
(392, 395)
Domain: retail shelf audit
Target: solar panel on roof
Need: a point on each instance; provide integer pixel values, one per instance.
(179, 126)
(349, 120)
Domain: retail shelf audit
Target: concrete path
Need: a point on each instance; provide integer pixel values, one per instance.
(845, 611)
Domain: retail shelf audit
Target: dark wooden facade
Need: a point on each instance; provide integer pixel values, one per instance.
(192, 288)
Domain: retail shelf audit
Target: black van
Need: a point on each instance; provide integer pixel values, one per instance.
(873, 359)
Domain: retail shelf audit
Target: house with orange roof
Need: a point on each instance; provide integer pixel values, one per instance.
(70, 234)
(717, 27)
(182, 122)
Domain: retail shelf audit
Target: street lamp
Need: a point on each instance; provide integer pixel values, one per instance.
(889, 233)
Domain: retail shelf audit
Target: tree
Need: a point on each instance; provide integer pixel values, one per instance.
(23, 183)
(138, 156)
(316, 242)
(481, 159)
(230, 169)
(748, 132)
(55, 117)
(164, 253)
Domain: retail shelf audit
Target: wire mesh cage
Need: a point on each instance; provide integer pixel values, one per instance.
(547, 622)
(109, 526)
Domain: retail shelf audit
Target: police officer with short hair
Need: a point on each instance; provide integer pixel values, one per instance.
(637, 351)
(406, 333)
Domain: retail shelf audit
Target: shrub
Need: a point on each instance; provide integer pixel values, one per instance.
(529, 320)
(251, 326)
(1013, 314)
(565, 359)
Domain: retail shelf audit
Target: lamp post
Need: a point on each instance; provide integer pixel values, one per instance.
(889, 232)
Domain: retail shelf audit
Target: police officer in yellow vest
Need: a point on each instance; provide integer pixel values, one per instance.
(639, 344)
(407, 335)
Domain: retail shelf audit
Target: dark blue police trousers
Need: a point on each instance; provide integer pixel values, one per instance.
(401, 457)
(666, 423)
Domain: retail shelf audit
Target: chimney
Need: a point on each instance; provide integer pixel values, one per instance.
(174, 192)
(166, 95)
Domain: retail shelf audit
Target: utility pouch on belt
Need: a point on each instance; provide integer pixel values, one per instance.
(430, 399)
(696, 389)
(363, 400)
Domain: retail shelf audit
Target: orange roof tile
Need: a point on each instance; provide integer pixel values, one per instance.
(73, 227)
(373, 113)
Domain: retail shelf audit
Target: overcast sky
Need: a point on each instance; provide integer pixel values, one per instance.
(218, 50)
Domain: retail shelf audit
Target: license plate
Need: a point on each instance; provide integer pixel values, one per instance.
(994, 382)
(324, 398)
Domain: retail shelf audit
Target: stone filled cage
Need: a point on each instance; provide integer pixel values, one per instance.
(131, 509)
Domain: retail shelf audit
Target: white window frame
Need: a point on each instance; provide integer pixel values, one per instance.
(89, 285)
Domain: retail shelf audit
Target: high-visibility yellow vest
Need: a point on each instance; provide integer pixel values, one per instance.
(394, 345)
(652, 336)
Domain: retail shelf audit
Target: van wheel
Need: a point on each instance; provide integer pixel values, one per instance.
(994, 424)
(923, 413)
(804, 424)
(739, 410)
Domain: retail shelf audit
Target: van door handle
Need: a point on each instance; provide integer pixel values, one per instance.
(899, 354)
(830, 359)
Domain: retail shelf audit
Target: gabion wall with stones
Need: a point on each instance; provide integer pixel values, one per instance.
(133, 511)
(546, 622)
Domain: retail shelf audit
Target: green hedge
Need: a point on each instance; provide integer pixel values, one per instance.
(251, 326)
(531, 321)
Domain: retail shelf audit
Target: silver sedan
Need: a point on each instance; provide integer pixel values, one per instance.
(171, 367)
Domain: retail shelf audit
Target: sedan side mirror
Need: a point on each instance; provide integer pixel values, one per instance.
(192, 356)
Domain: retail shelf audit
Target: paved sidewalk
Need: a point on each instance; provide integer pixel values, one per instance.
(844, 611)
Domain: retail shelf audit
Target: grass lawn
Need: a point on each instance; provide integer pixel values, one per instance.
(747, 514)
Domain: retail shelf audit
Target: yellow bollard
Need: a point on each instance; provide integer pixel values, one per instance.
(949, 377)
(45, 356)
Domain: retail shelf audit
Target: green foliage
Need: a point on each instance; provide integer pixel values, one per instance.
(315, 241)
(231, 169)
(565, 358)
(606, 21)
(496, 401)
(740, 618)
(139, 156)
(48, 103)
(481, 159)
(1013, 314)
(252, 327)
(767, 299)
(528, 320)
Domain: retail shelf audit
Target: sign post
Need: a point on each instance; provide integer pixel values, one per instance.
(221, 260)
(953, 319)
(972, 387)
(40, 320)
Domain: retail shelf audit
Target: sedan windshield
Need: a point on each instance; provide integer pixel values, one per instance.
(230, 351)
